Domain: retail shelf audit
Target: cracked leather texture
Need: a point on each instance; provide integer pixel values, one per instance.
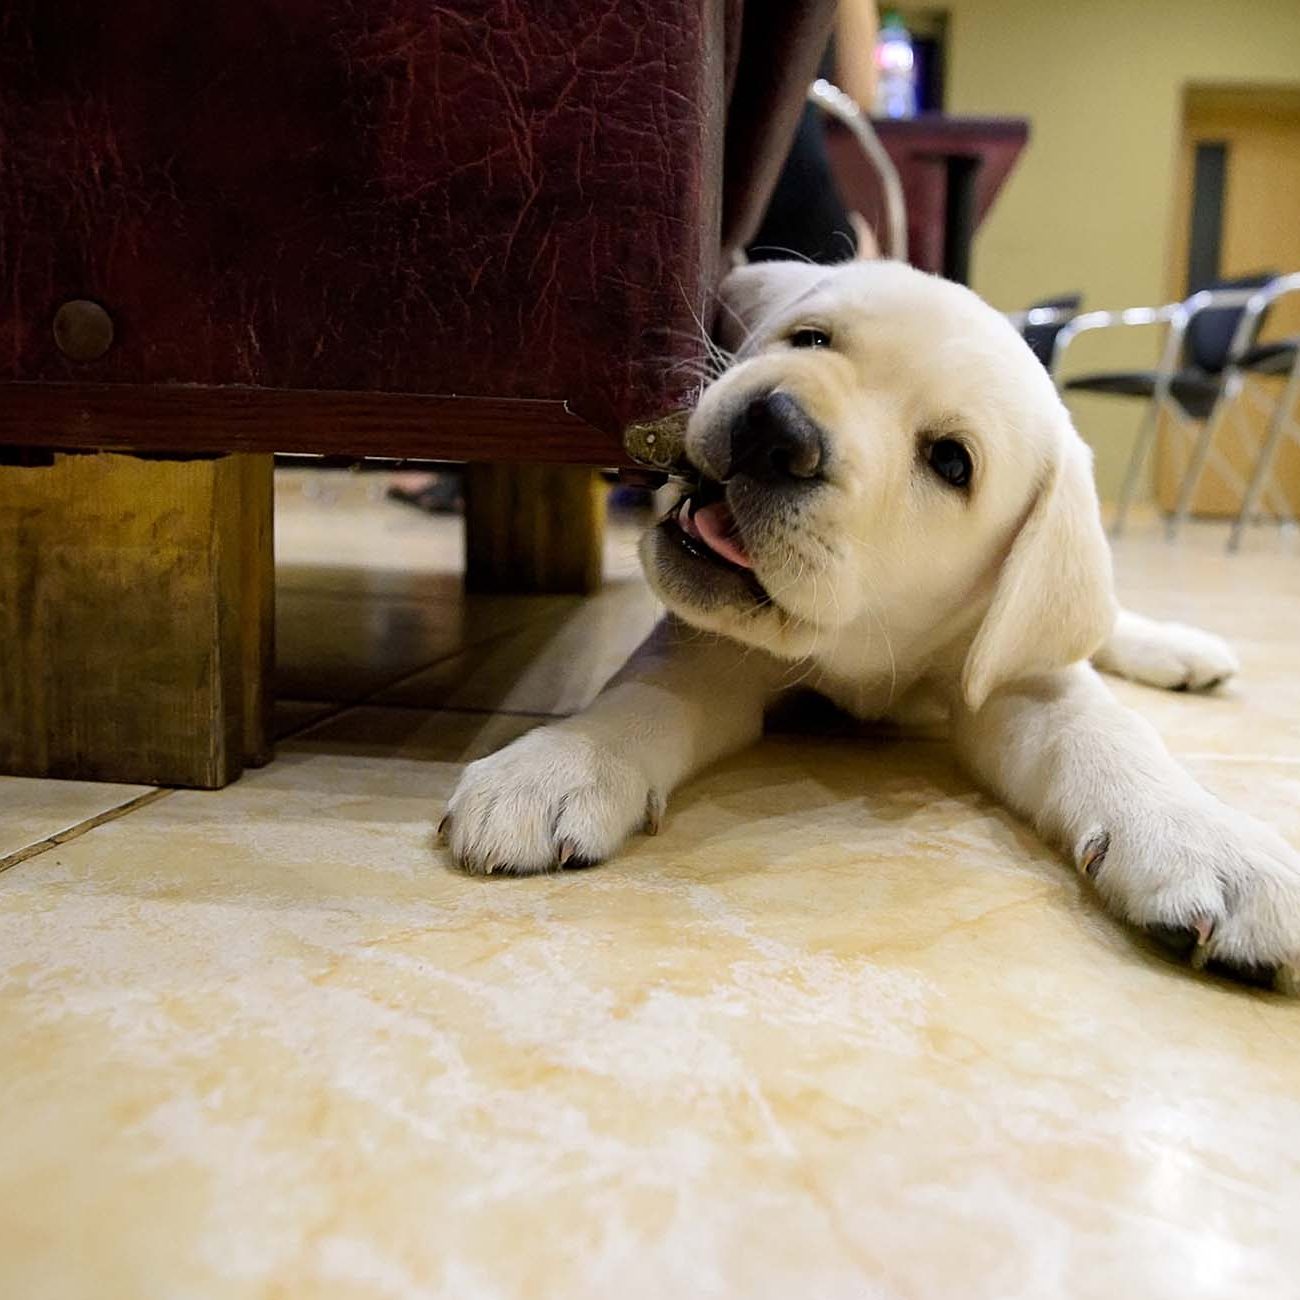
(499, 199)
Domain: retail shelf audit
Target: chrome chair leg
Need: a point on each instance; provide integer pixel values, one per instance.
(1277, 427)
(1201, 455)
(1137, 460)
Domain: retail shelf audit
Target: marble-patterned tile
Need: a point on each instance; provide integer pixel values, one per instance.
(289, 717)
(343, 643)
(1253, 596)
(342, 519)
(843, 1029)
(369, 590)
(1257, 714)
(1252, 599)
(555, 663)
(33, 810)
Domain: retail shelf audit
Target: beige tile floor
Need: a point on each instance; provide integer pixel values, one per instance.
(843, 1030)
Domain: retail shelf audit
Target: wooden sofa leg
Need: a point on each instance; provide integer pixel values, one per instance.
(533, 528)
(136, 618)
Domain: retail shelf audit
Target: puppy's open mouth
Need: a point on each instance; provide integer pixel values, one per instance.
(703, 526)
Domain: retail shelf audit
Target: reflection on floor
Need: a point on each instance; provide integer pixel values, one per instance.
(844, 1029)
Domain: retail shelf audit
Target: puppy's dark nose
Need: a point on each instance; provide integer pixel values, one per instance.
(775, 439)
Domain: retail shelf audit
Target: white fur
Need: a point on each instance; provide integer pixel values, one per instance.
(1171, 655)
(889, 588)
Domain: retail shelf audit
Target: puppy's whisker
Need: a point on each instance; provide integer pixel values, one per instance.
(788, 252)
(719, 355)
(704, 368)
(850, 246)
(812, 653)
(873, 611)
(745, 332)
(712, 348)
(776, 592)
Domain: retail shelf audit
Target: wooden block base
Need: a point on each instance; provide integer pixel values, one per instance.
(136, 618)
(533, 529)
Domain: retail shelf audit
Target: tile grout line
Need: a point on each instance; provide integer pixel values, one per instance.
(367, 700)
(470, 710)
(339, 708)
(80, 829)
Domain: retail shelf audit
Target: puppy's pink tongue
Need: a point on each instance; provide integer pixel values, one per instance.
(717, 530)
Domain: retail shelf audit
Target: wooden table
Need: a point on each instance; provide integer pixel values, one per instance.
(952, 169)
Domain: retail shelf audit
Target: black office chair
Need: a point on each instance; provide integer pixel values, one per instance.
(1210, 345)
(1042, 324)
(1280, 358)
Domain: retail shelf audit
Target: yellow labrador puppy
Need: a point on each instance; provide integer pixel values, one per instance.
(891, 495)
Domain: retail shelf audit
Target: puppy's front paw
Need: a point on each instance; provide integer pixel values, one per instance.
(1169, 655)
(1210, 885)
(555, 798)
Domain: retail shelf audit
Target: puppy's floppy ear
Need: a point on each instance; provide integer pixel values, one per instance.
(1054, 602)
(752, 293)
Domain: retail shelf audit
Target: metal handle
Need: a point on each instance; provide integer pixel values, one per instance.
(844, 108)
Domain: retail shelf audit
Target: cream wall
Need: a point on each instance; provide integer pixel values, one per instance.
(1089, 206)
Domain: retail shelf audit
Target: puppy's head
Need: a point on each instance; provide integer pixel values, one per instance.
(885, 453)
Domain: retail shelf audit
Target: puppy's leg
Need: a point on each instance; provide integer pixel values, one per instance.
(1171, 655)
(1096, 781)
(571, 793)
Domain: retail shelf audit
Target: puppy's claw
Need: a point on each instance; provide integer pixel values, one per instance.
(1203, 927)
(1191, 941)
(567, 850)
(444, 829)
(654, 812)
(1094, 854)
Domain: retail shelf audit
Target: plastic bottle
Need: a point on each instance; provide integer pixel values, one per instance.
(896, 64)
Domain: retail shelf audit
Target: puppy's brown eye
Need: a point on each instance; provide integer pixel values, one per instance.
(810, 338)
(951, 461)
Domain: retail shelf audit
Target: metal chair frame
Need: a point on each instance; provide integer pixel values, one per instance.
(1243, 340)
(1282, 423)
(1176, 317)
(1041, 316)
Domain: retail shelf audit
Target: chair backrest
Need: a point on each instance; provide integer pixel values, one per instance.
(1210, 334)
(1042, 338)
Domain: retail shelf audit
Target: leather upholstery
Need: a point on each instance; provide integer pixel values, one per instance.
(501, 199)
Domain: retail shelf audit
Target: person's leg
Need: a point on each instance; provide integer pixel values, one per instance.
(435, 494)
(806, 217)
